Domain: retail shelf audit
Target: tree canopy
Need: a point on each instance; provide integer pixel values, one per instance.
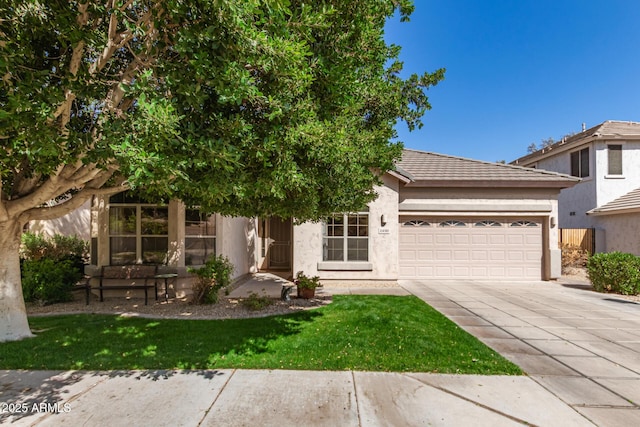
(254, 108)
(259, 107)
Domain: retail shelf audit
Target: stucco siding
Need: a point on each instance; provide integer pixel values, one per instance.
(610, 187)
(236, 240)
(622, 232)
(574, 202)
(77, 222)
(383, 243)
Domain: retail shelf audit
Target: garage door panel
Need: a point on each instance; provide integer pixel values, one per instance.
(408, 239)
(407, 256)
(442, 238)
(461, 239)
(517, 239)
(461, 271)
(533, 239)
(515, 256)
(479, 239)
(479, 255)
(496, 239)
(473, 251)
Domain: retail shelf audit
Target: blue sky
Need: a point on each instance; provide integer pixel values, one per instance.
(519, 71)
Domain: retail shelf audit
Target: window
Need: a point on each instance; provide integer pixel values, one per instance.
(346, 238)
(487, 223)
(615, 159)
(524, 224)
(452, 223)
(580, 163)
(200, 237)
(138, 231)
(416, 223)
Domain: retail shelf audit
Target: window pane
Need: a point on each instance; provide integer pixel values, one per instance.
(358, 225)
(615, 159)
(575, 164)
(123, 250)
(197, 250)
(122, 221)
(198, 224)
(155, 221)
(357, 249)
(335, 226)
(584, 162)
(333, 250)
(154, 250)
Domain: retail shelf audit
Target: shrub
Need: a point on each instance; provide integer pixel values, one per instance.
(305, 282)
(51, 266)
(574, 256)
(256, 302)
(213, 276)
(47, 281)
(37, 246)
(615, 272)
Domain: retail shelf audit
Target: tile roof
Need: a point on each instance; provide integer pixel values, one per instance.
(627, 203)
(611, 129)
(431, 169)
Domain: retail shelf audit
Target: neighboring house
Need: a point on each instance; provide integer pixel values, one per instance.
(435, 217)
(607, 158)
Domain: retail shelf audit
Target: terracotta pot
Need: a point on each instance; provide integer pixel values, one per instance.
(306, 293)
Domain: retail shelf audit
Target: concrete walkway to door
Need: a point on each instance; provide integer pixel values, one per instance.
(582, 346)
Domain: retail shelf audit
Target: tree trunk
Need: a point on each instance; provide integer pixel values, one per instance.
(13, 314)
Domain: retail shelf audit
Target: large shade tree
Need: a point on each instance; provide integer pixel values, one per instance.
(252, 107)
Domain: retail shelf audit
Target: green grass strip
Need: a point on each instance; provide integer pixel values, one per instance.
(368, 333)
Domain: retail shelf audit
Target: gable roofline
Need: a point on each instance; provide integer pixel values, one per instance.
(608, 130)
(476, 173)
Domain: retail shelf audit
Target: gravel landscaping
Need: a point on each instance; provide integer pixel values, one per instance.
(176, 308)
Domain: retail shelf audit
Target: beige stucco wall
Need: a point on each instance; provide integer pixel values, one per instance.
(383, 242)
(610, 187)
(622, 232)
(75, 223)
(236, 240)
(577, 200)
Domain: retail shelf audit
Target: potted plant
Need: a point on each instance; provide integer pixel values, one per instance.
(306, 285)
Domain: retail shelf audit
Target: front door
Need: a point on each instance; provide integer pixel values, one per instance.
(277, 243)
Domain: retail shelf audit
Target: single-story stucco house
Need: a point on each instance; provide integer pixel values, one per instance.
(435, 217)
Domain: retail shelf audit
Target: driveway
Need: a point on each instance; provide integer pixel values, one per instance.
(582, 346)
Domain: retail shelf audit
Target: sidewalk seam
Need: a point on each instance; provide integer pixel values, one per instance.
(355, 396)
(216, 398)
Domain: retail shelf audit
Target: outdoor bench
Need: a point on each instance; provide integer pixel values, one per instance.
(139, 276)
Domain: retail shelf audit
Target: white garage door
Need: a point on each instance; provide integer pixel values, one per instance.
(470, 248)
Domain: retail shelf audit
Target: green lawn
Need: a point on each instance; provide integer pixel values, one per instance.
(373, 333)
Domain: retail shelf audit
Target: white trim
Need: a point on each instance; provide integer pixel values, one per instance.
(345, 266)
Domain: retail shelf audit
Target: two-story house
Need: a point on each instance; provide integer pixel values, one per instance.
(607, 159)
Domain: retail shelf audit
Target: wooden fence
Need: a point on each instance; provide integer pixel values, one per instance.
(585, 238)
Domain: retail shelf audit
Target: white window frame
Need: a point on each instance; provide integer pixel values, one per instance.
(212, 237)
(138, 232)
(345, 237)
(609, 152)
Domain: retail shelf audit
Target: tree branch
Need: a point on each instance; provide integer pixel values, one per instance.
(75, 201)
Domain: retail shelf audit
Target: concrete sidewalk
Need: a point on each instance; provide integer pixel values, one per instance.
(276, 398)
